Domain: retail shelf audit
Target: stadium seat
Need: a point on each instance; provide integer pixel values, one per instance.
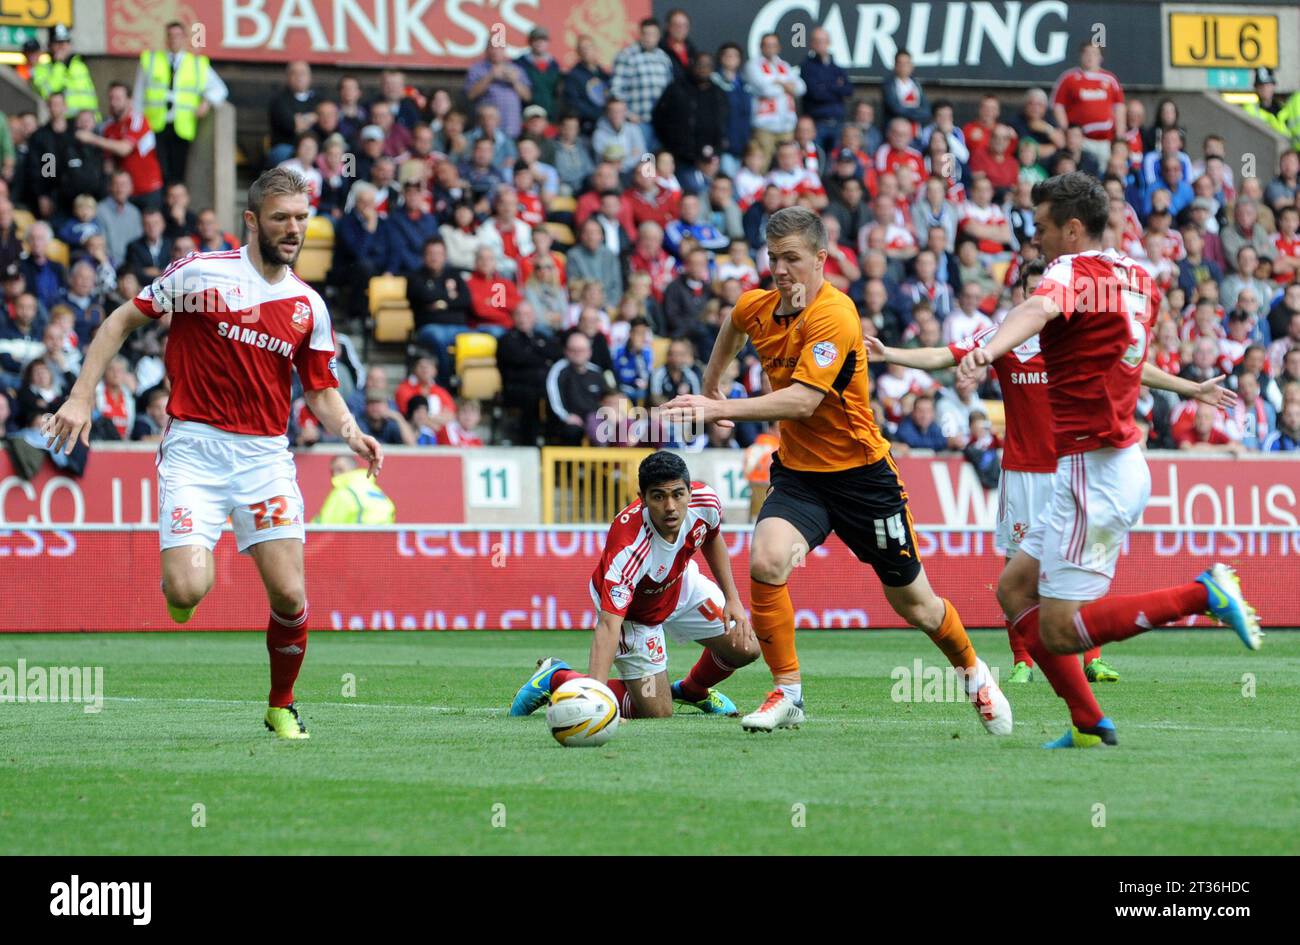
(23, 219)
(59, 253)
(660, 351)
(563, 233)
(320, 232)
(475, 347)
(563, 205)
(480, 381)
(314, 263)
(394, 323)
(997, 413)
(386, 289)
(999, 272)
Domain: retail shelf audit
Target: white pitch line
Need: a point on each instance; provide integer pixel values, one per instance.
(444, 709)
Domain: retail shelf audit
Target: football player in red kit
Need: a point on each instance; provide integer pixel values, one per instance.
(646, 585)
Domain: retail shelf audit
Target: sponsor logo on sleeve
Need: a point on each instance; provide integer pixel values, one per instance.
(825, 353)
(620, 595)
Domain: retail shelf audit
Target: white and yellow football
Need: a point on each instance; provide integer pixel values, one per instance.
(583, 714)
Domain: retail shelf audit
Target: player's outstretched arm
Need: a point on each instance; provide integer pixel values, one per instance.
(1210, 392)
(714, 550)
(72, 421)
(328, 406)
(796, 402)
(1022, 323)
(923, 359)
(604, 643)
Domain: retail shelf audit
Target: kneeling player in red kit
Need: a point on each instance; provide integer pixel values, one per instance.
(646, 585)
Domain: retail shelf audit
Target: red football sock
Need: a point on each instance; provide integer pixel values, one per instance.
(619, 688)
(1063, 671)
(1019, 652)
(1093, 654)
(286, 642)
(707, 672)
(626, 707)
(1112, 619)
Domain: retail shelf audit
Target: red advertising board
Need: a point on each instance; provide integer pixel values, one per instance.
(411, 34)
(493, 580)
(426, 486)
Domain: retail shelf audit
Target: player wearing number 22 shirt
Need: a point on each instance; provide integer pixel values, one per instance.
(240, 324)
(1092, 313)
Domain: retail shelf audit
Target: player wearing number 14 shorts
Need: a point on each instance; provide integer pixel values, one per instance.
(240, 323)
(1092, 314)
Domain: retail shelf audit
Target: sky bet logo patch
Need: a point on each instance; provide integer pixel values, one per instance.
(824, 353)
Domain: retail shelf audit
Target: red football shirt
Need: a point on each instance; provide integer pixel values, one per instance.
(142, 163)
(1022, 375)
(1095, 348)
(639, 576)
(1089, 99)
(235, 339)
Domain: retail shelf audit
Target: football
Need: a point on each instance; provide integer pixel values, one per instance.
(583, 714)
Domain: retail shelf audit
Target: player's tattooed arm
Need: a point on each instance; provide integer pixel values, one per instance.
(604, 643)
(328, 406)
(72, 421)
(1210, 392)
(924, 359)
(1022, 323)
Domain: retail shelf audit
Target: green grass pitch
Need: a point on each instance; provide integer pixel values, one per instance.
(423, 760)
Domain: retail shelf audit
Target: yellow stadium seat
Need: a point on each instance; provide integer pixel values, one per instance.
(660, 351)
(23, 219)
(313, 264)
(320, 231)
(563, 205)
(394, 323)
(59, 253)
(997, 414)
(999, 271)
(480, 381)
(563, 234)
(475, 347)
(390, 289)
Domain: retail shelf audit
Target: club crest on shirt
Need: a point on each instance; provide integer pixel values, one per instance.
(301, 317)
(824, 353)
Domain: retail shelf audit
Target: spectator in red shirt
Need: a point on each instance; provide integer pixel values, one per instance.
(423, 380)
(131, 142)
(897, 150)
(978, 132)
(1203, 429)
(1091, 97)
(603, 179)
(492, 296)
(996, 162)
(459, 431)
(647, 201)
(650, 257)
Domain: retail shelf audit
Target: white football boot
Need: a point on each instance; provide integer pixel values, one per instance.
(777, 711)
(993, 708)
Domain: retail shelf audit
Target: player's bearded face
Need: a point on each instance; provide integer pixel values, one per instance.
(281, 227)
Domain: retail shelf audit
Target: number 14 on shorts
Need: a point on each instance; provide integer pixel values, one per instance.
(890, 528)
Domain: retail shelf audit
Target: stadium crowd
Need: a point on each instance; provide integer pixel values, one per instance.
(601, 222)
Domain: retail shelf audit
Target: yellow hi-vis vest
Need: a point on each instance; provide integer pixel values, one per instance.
(355, 500)
(191, 78)
(72, 78)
